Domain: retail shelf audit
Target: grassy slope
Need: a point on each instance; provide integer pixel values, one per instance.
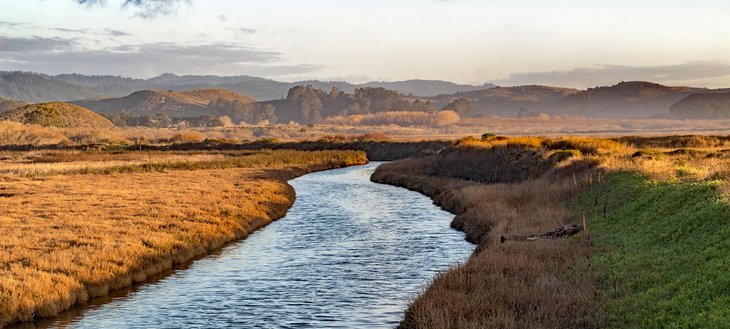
(663, 259)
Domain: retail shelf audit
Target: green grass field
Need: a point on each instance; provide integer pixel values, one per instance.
(663, 257)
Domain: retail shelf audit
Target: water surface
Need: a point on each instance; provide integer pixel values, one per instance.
(349, 253)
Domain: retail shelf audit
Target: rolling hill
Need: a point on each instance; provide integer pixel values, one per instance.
(56, 114)
(9, 104)
(507, 101)
(635, 99)
(702, 106)
(177, 104)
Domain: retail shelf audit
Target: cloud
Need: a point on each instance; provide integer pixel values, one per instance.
(602, 75)
(143, 8)
(62, 29)
(10, 45)
(104, 32)
(116, 33)
(63, 55)
(242, 30)
(14, 24)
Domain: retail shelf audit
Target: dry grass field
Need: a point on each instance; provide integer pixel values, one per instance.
(530, 185)
(77, 225)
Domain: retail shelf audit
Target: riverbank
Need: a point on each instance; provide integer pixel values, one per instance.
(523, 186)
(78, 225)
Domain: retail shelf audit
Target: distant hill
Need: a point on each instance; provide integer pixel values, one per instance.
(9, 104)
(34, 87)
(507, 101)
(633, 99)
(424, 88)
(63, 115)
(702, 106)
(302, 104)
(177, 104)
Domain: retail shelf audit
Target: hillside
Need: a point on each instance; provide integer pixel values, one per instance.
(507, 101)
(177, 104)
(9, 104)
(209, 95)
(633, 99)
(62, 115)
(702, 106)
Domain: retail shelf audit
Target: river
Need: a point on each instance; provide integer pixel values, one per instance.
(349, 254)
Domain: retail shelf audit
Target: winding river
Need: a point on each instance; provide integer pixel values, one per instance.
(349, 253)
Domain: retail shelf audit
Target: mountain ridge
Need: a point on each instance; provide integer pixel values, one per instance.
(69, 87)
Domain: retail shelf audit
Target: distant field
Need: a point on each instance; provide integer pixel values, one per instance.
(76, 225)
(14, 134)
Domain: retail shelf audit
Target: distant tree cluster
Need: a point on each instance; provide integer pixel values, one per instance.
(161, 120)
(308, 105)
(401, 118)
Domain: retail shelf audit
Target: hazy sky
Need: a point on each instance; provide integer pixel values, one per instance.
(570, 43)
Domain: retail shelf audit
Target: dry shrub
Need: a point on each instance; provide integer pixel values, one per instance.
(445, 118)
(521, 141)
(373, 137)
(672, 166)
(685, 141)
(14, 133)
(587, 145)
(400, 118)
(186, 137)
(86, 136)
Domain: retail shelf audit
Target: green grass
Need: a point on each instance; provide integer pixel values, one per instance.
(664, 252)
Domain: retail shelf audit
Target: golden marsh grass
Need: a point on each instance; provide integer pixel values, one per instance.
(70, 235)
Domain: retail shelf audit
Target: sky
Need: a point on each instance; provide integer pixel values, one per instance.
(574, 43)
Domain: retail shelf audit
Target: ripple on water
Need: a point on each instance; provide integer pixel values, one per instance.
(349, 253)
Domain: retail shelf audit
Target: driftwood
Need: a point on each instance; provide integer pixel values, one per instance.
(566, 230)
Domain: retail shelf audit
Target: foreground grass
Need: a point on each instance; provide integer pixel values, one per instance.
(77, 233)
(663, 252)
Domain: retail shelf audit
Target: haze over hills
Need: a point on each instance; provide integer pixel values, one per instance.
(313, 101)
(703, 106)
(308, 104)
(635, 99)
(35, 87)
(507, 101)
